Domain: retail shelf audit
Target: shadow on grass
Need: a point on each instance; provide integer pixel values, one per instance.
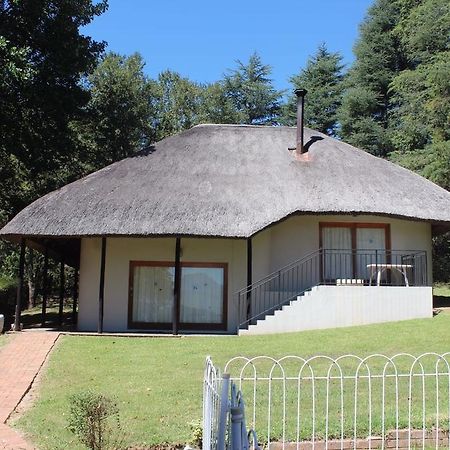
(32, 318)
(441, 301)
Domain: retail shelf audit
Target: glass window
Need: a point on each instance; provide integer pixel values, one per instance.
(153, 294)
(201, 296)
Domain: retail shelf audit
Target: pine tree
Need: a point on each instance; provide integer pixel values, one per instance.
(252, 93)
(364, 113)
(322, 78)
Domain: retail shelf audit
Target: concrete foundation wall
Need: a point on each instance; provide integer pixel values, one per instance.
(345, 306)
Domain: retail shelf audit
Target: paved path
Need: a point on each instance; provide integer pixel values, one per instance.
(20, 361)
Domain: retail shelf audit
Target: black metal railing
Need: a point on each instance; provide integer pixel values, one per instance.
(331, 267)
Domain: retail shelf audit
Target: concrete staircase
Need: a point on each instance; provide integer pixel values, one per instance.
(346, 305)
(276, 321)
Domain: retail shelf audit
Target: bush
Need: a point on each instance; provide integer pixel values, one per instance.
(197, 433)
(94, 419)
(8, 287)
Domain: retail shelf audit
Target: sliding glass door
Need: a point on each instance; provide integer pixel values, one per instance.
(152, 294)
(203, 295)
(350, 248)
(370, 249)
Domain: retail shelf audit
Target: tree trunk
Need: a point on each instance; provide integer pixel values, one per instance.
(31, 294)
(31, 281)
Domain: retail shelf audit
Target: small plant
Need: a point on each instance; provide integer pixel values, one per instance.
(197, 433)
(94, 419)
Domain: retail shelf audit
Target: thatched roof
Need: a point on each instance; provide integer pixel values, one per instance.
(231, 181)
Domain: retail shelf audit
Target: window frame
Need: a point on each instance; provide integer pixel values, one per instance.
(221, 326)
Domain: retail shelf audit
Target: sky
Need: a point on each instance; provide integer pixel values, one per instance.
(202, 39)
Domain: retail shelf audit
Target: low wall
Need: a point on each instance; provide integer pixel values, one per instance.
(344, 306)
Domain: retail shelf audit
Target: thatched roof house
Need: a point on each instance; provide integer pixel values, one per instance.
(225, 205)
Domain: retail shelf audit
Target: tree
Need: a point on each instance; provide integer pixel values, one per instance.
(322, 78)
(43, 58)
(175, 103)
(216, 106)
(421, 94)
(364, 114)
(252, 93)
(117, 123)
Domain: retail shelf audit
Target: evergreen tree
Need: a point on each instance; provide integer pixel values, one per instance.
(216, 106)
(117, 123)
(364, 114)
(322, 78)
(252, 93)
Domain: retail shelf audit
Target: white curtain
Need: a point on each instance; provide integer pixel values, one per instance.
(153, 294)
(202, 294)
(337, 264)
(368, 240)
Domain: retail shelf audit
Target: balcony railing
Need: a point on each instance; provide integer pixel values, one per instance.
(331, 267)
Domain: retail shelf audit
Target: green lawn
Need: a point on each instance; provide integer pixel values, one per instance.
(32, 317)
(441, 289)
(158, 381)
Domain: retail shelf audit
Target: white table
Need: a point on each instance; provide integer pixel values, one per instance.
(382, 267)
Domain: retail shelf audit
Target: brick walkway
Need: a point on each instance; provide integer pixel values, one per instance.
(20, 361)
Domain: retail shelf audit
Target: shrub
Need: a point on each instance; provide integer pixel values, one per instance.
(94, 419)
(197, 433)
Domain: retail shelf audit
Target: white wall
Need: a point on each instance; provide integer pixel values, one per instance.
(345, 306)
(299, 235)
(119, 253)
(272, 248)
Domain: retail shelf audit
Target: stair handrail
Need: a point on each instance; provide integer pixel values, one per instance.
(277, 306)
(276, 273)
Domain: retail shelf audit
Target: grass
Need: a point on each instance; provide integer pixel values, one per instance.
(32, 317)
(442, 289)
(158, 381)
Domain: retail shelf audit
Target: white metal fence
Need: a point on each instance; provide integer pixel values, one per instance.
(346, 402)
(212, 382)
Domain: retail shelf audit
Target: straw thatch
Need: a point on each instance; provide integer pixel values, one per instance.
(231, 181)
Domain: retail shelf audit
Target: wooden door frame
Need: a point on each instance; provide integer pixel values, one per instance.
(222, 326)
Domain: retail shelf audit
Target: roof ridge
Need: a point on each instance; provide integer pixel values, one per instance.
(242, 125)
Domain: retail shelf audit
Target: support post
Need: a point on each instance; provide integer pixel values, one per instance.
(223, 414)
(61, 292)
(45, 288)
(249, 276)
(101, 295)
(75, 296)
(19, 297)
(177, 288)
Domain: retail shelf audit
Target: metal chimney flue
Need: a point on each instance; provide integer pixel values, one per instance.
(300, 93)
